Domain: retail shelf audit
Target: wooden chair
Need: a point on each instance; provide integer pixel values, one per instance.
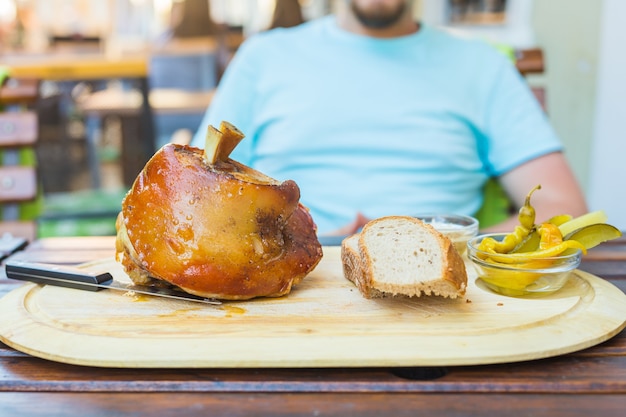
(530, 61)
(19, 191)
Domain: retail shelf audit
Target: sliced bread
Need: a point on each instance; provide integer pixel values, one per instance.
(353, 267)
(401, 255)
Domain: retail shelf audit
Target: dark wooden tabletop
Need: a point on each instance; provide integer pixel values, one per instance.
(584, 383)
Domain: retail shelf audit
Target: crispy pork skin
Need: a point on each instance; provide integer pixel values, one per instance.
(219, 230)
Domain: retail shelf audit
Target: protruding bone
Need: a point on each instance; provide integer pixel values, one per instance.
(220, 143)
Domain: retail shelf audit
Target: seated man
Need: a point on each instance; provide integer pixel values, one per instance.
(373, 114)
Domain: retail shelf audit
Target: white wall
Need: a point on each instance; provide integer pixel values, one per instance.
(568, 31)
(607, 175)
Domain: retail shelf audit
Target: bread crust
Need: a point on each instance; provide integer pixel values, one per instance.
(455, 272)
(353, 268)
(358, 264)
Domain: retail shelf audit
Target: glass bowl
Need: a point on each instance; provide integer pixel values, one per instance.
(521, 277)
(458, 228)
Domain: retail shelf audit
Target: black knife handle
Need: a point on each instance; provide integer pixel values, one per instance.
(10, 244)
(59, 275)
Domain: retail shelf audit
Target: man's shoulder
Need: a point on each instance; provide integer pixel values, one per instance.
(464, 47)
(457, 39)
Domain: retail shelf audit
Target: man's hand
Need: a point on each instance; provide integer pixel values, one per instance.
(352, 227)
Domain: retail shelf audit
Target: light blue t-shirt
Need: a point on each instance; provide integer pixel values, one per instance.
(398, 126)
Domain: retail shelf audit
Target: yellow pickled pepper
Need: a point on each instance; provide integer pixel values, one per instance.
(552, 251)
(526, 217)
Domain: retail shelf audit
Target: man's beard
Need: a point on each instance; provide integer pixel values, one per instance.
(379, 18)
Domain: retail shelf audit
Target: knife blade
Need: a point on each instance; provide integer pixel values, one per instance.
(73, 277)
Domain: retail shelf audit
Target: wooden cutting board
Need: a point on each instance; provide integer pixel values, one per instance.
(324, 322)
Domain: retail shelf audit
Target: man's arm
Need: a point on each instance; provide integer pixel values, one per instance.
(559, 193)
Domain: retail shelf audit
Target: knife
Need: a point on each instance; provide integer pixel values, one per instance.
(10, 244)
(72, 277)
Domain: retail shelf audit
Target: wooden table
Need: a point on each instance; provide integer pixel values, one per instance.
(74, 66)
(127, 105)
(588, 382)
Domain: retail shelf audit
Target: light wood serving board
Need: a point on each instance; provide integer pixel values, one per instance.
(324, 322)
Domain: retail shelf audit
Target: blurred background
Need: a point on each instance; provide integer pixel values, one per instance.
(117, 79)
